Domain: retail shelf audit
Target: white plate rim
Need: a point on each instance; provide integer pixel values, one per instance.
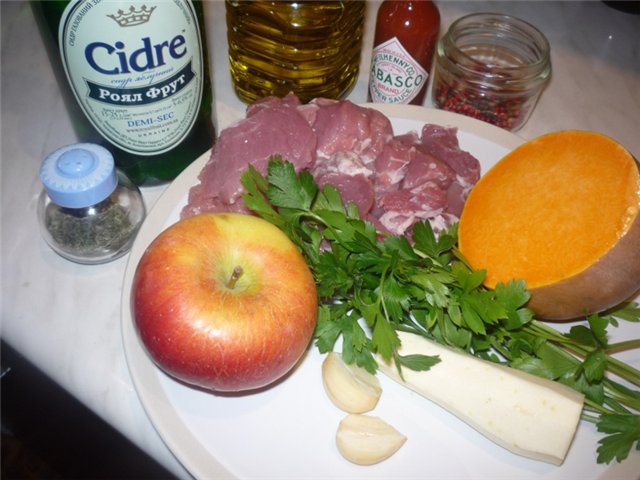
(180, 441)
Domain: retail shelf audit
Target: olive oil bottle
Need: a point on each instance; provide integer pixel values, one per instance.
(135, 78)
(310, 48)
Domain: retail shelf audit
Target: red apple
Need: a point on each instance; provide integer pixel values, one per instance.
(224, 301)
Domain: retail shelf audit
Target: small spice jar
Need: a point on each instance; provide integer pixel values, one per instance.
(492, 67)
(89, 212)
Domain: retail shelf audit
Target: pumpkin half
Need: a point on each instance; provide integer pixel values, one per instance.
(561, 213)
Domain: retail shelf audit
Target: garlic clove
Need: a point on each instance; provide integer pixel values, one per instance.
(366, 440)
(350, 387)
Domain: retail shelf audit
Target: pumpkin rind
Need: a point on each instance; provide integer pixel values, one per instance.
(561, 212)
(614, 278)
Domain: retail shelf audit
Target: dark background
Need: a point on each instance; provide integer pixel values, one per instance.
(46, 433)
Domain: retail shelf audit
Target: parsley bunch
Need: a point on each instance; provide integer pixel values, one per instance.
(371, 285)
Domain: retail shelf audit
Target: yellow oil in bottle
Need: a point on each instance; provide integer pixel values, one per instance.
(310, 48)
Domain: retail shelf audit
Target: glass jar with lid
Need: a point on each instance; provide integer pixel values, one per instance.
(89, 211)
(492, 67)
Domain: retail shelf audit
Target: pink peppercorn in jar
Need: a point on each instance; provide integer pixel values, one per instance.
(491, 67)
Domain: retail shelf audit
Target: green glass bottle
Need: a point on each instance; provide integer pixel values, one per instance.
(135, 78)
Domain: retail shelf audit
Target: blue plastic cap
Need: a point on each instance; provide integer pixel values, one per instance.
(79, 175)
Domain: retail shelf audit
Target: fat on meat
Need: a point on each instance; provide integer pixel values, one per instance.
(402, 208)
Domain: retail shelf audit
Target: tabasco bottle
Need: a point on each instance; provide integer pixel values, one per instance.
(135, 78)
(403, 47)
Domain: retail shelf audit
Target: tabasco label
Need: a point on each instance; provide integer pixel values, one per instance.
(396, 77)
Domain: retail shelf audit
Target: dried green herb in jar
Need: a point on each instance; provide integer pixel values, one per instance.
(105, 227)
(89, 212)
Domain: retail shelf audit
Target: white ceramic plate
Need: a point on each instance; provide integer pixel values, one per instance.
(288, 430)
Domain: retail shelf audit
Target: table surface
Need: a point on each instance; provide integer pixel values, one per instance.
(65, 318)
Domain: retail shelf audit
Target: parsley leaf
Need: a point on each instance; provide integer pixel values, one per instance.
(418, 363)
(287, 190)
(624, 432)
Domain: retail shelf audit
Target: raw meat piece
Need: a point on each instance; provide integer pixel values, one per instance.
(353, 188)
(289, 100)
(456, 197)
(346, 171)
(408, 138)
(391, 166)
(276, 129)
(411, 184)
(424, 167)
(342, 126)
(394, 181)
(343, 162)
(350, 137)
(427, 197)
(442, 143)
(405, 207)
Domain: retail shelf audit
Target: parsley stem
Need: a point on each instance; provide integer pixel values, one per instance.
(623, 346)
(625, 371)
(503, 351)
(588, 418)
(595, 407)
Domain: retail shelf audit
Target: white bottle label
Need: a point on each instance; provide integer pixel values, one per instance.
(396, 77)
(136, 69)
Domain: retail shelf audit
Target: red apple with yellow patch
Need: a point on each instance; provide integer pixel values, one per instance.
(224, 301)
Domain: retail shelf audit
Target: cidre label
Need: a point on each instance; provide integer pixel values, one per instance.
(136, 69)
(396, 77)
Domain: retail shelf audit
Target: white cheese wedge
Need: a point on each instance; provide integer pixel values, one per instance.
(526, 414)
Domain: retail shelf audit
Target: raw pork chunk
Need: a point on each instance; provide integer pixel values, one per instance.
(394, 181)
(275, 128)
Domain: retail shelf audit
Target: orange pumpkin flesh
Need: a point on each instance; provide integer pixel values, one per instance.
(561, 213)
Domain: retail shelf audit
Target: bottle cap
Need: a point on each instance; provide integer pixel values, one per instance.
(79, 175)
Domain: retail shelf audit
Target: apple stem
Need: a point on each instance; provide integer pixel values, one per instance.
(235, 276)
